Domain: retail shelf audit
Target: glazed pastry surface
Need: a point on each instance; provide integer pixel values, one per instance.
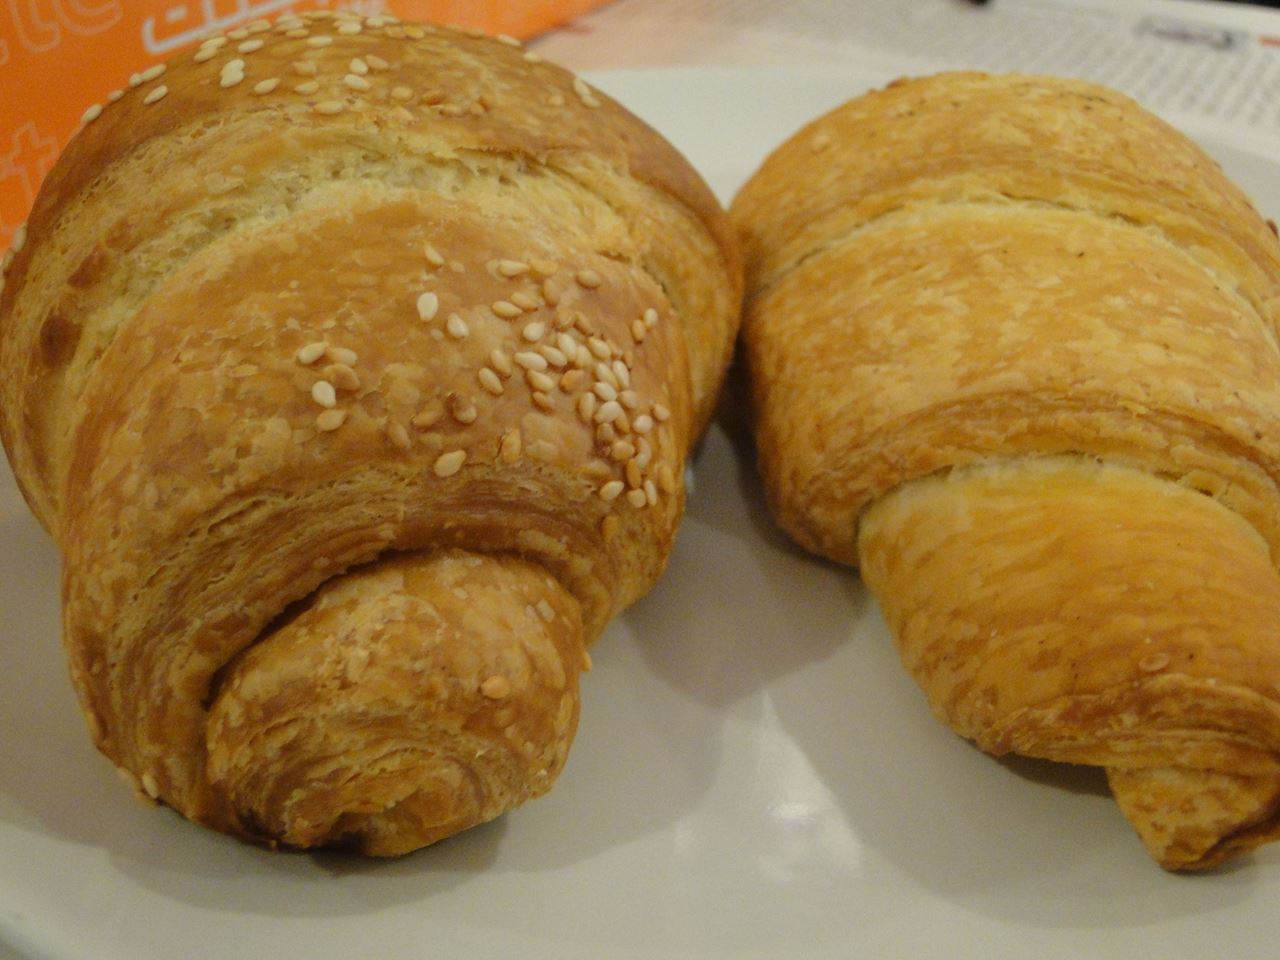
(1012, 351)
(353, 364)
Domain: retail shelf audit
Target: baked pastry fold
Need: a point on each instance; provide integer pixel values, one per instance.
(353, 364)
(1012, 351)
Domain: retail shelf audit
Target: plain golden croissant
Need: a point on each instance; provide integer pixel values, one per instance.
(353, 365)
(1012, 345)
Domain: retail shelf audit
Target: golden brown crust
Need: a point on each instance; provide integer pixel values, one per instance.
(467, 116)
(1013, 350)
(268, 347)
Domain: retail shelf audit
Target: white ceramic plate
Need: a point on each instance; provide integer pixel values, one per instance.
(754, 774)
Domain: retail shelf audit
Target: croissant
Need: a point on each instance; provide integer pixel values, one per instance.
(353, 365)
(1012, 350)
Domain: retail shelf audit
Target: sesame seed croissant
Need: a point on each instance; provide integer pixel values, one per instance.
(353, 365)
(1012, 345)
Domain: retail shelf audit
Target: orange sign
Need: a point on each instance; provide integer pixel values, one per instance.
(58, 57)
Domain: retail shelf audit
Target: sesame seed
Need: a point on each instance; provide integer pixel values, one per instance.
(239, 33)
(311, 352)
(447, 464)
(586, 407)
(637, 498)
(114, 95)
(228, 80)
(305, 68)
(622, 450)
(456, 326)
(401, 93)
(343, 355)
(323, 393)
(266, 86)
(1153, 662)
(414, 32)
(342, 376)
(350, 28)
(258, 26)
(490, 381)
(427, 418)
(251, 46)
(151, 73)
(525, 301)
(297, 33)
(634, 475)
(496, 688)
(331, 419)
(609, 411)
(638, 331)
(321, 41)
(93, 113)
(540, 381)
(358, 66)
(532, 57)
(307, 88)
(509, 40)
(629, 399)
(329, 107)
(580, 87)
(622, 372)
(501, 362)
(571, 380)
(599, 348)
(588, 278)
(605, 391)
(428, 305)
(463, 410)
(512, 268)
(534, 331)
(509, 450)
(531, 361)
(544, 402)
(156, 94)
(453, 109)
(605, 433)
(150, 786)
(19, 239)
(357, 82)
(506, 309)
(376, 62)
(398, 435)
(213, 43)
(432, 255)
(643, 423)
(612, 490)
(135, 80)
(608, 529)
(605, 373)
(666, 477)
(554, 357)
(551, 292)
(568, 346)
(644, 452)
(660, 413)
